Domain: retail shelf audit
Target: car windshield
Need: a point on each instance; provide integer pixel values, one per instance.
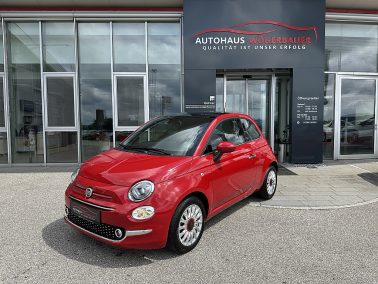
(174, 136)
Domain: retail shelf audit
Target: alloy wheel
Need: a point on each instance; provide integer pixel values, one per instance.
(190, 225)
(271, 182)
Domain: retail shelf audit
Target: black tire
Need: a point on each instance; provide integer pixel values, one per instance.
(264, 192)
(174, 242)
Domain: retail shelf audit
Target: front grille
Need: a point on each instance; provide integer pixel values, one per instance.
(103, 230)
(80, 188)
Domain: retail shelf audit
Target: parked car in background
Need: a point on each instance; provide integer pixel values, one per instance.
(348, 131)
(161, 184)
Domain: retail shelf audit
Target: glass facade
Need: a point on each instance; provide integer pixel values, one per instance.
(357, 116)
(25, 98)
(82, 87)
(129, 47)
(76, 88)
(58, 46)
(164, 68)
(95, 88)
(3, 134)
(350, 96)
(2, 103)
(3, 131)
(130, 100)
(60, 101)
(351, 47)
(61, 147)
(328, 116)
(1, 50)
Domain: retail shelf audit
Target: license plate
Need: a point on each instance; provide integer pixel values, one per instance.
(85, 212)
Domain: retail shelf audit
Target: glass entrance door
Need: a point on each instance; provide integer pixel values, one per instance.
(246, 95)
(258, 103)
(266, 97)
(236, 95)
(356, 117)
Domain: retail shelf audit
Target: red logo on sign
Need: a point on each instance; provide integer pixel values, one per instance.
(236, 29)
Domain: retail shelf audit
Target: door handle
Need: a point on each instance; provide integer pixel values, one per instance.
(251, 156)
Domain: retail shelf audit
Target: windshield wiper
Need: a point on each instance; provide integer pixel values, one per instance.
(146, 149)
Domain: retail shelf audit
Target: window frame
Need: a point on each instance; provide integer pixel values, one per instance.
(47, 75)
(3, 106)
(254, 125)
(116, 75)
(237, 118)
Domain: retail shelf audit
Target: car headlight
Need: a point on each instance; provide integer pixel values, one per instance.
(74, 174)
(141, 190)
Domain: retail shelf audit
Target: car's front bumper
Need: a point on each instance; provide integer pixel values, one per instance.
(115, 214)
(130, 233)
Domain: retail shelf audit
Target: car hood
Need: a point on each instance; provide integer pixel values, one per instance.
(125, 168)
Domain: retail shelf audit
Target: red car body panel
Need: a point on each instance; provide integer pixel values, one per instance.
(124, 168)
(220, 184)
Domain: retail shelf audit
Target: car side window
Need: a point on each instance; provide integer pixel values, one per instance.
(250, 129)
(228, 130)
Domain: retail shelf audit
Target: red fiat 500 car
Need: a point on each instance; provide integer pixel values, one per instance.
(160, 185)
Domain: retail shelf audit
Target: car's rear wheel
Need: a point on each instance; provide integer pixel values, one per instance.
(269, 186)
(186, 226)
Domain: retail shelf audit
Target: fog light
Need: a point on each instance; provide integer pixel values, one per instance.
(143, 213)
(118, 233)
(66, 211)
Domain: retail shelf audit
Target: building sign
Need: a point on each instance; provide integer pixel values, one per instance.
(256, 35)
(206, 105)
(244, 36)
(307, 110)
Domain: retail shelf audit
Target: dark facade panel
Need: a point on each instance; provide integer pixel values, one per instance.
(306, 138)
(255, 35)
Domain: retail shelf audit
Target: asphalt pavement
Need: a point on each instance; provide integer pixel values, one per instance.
(244, 244)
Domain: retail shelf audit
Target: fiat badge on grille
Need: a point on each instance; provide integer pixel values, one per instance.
(88, 192)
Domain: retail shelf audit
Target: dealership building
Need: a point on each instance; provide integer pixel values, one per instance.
(77, 77)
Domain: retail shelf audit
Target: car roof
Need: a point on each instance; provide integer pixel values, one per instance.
(199, 114)
(210, 115)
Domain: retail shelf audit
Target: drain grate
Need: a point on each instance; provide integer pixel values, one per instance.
(370, 177)
(282, 171)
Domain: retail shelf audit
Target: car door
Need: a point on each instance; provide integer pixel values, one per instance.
(229, 176)
(257, 154)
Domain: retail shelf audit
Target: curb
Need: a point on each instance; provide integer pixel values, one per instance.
(316, 208)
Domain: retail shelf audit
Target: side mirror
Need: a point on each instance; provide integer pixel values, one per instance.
(226, 147)
(223, 147)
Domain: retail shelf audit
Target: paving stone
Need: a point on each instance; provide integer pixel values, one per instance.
(296, 188)
(285, 198)
(284, 203)
(340, 185)
(296, 193)
(367, 193)
(345, 202)
(315, 188)
(318, 203)
(365, 197)
(345, 189)
(319, 198)
(350, 199)
(347, 193)
(317, 193)
(326, 186)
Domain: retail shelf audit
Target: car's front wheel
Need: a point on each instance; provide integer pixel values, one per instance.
(187, 225)
(270, 184)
